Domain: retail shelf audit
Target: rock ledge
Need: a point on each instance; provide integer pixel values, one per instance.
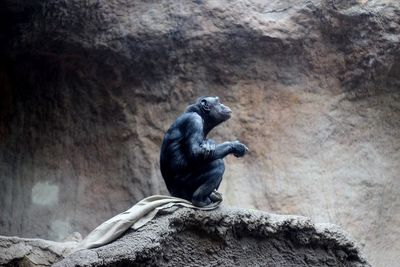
(227, 236)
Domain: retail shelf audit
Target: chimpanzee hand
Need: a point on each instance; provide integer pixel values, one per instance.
(238, 149)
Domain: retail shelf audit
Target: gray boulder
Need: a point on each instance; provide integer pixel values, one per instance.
(26, 252)
(226, 237)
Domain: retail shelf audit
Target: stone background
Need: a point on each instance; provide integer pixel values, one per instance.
(87, 89)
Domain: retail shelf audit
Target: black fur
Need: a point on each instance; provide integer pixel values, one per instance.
(192, 165)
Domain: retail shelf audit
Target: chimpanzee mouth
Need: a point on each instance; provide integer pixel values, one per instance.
(228, 113)
(227, 110)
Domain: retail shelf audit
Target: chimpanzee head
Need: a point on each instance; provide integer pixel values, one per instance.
(214, 110)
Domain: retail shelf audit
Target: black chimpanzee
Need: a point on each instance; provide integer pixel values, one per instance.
(192, 166)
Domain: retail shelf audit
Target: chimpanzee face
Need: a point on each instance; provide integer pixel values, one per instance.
(215, 109)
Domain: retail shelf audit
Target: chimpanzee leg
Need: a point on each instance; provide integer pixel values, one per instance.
(208, 181)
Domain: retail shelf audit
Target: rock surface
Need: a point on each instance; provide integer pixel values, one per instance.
(24, 252)
(89, 87)
(226, 237)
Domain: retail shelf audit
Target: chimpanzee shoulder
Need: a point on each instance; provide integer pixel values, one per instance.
(190, 122)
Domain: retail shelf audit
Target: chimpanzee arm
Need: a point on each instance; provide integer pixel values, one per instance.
(202, 151)
(216, 151)
(199, 148)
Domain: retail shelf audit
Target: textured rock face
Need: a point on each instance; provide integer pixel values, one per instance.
(26, 252)
(89, 87)
(226, 237)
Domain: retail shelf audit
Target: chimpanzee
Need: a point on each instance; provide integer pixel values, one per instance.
(191, 165)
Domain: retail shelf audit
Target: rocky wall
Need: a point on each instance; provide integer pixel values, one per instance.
(89, 87)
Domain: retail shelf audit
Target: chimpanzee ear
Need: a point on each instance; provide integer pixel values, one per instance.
(205, 105)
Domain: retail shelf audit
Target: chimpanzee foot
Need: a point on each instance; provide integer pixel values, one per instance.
(201, 203)
(215, 196)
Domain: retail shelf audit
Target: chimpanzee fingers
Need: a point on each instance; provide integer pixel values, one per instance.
(238, 142)
(245, 148)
